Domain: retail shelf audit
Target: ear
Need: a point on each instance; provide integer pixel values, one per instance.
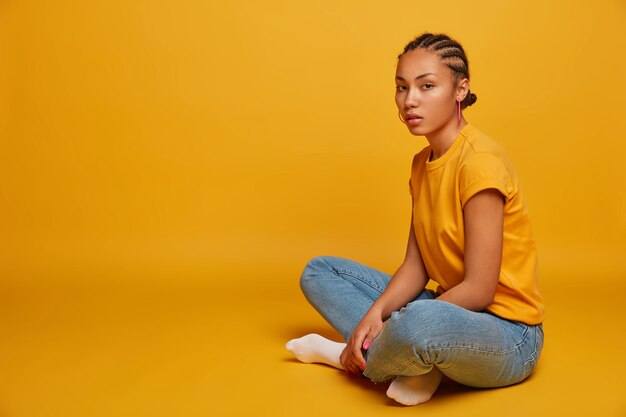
(462, 89)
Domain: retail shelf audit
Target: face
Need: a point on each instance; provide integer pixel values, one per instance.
(425, 88)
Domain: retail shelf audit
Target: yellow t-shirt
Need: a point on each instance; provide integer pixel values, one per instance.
(440, 189)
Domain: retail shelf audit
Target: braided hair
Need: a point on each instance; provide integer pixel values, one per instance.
(451, 53)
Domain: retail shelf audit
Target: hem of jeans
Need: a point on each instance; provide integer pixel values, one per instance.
(378, 380)
(394, 375)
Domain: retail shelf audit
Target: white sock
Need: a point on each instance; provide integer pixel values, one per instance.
(412, 390)
(315, 348)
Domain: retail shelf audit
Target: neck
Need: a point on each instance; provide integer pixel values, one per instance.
(441, 139)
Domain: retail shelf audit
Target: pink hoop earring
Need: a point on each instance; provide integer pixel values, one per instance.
(400, 116)
(459, 122)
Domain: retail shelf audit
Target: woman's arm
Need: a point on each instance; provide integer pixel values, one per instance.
(484, 217)
(406, 283)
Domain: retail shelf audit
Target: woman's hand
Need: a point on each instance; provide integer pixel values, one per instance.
(365, 332)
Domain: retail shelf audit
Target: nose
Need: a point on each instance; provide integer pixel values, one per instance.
(411, 99)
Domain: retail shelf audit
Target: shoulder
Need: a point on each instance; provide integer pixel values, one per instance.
(480, 142)
(485, 164)
(484, 152)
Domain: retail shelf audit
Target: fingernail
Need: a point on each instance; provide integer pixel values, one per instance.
(366, 345)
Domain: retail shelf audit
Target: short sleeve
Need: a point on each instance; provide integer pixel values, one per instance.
(482, 171)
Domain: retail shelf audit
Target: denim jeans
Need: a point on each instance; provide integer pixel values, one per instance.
(477, 349)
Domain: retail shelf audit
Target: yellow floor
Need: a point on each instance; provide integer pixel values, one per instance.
(192, 350)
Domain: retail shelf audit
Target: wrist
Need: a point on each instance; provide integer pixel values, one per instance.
(375, 311)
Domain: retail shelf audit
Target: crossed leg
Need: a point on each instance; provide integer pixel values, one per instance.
(342, 291)
(419, 343)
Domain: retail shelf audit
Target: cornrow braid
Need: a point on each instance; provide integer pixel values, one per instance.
(451, 53)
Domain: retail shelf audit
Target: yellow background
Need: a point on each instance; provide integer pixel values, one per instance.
(168, 168)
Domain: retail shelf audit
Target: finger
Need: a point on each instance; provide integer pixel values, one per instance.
(369, 338)
(358, 358)
(355, 370)
(359, 337)
(351, 368)
(367, 342)
(355, 364)
(346, 362)
(351, 364)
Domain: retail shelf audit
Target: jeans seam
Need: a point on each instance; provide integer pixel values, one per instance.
(532, 361)
(359, 277)
(533, 356)
(483, 350)
(476, 349)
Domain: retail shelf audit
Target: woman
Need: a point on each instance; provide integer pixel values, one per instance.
(470, 233)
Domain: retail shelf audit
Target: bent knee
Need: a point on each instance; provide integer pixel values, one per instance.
(425, 315)
(316, 267)
(422, 324)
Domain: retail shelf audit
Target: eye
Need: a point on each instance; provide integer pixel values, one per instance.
(400, 88)
(428, 85)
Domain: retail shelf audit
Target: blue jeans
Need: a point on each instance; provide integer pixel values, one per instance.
(477, 349)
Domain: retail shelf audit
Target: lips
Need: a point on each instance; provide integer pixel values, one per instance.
(413, 119)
